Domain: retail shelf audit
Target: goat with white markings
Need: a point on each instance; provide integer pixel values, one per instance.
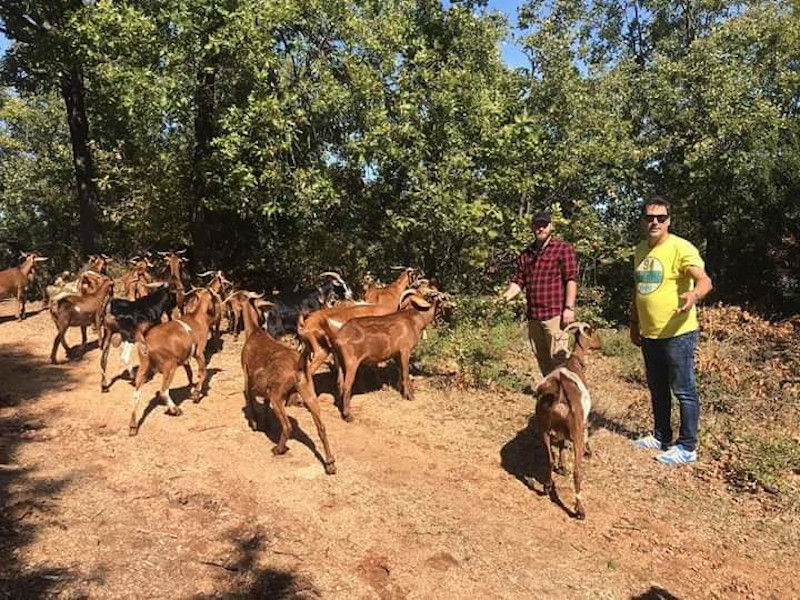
(79, 311)
(167, 346)
(282, 318)
(562, 411)
(125, 317)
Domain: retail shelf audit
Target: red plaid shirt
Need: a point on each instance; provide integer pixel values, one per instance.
(544, 274)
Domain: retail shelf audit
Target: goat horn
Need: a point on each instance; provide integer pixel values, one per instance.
(333, 274)
(253, 295)
(405, 294)
(398, 267)
(206, 274)
(181, 251)
(581, 326)
(41, 258)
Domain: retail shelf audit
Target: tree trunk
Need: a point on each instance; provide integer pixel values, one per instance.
(203, 135)
(73, 91)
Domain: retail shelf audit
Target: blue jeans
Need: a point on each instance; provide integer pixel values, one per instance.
(670, 365)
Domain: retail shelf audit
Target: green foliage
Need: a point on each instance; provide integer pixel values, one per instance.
(355, 135)
(478, 347)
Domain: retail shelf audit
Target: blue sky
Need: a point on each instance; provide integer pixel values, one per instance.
(511, 52)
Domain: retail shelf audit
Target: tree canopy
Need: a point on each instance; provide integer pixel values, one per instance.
(279, 138)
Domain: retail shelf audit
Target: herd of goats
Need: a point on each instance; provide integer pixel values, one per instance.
(169, 323)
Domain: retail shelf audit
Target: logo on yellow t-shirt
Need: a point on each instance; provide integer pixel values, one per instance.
(649, 275)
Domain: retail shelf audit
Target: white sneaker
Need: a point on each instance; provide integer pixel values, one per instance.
(649, 442)
(677, 455)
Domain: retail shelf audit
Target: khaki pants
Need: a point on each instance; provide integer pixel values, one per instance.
(549, 344)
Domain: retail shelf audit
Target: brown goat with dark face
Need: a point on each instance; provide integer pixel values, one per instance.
(167, 346)
(14, 281)
(562, 410)
(79, 311)
(273, 373)
(372, 340)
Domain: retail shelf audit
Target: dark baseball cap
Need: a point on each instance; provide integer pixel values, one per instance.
(541, 217)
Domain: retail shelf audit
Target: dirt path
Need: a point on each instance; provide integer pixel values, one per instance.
(428, 501)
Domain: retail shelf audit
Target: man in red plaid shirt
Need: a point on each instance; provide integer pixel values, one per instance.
(548, 271)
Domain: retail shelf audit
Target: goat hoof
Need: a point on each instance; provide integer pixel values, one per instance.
(133, 430)
(330, 468)
(560, 470)
(174, 412)
(278, 451)
(104, 389)
(580, 514)
(348, 417)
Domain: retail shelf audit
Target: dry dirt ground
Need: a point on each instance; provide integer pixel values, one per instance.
(430, 499)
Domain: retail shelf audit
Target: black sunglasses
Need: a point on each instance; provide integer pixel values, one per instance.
(659, 218)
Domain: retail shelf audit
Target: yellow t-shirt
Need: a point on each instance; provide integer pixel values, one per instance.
(661, 277)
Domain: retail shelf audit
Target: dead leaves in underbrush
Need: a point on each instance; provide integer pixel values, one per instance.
(749, 355)
(749, 377)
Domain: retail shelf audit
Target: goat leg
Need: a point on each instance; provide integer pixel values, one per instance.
(347, 390)
(559, 467)
(312, 405)
(105, 346)
(549, 484)
(20, 305)
(279, 406)
(166, 379)
(405, 379)
(577, 474)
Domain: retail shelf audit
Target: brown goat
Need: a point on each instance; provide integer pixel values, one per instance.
(79, 311)
(134, 282)
(173, 275)
(98, 263)
(169, 345)
(318, 325)
(390, 294)
(562, 411)
(14, 281)
(370, 340)
(218, 284)
(86, 283)
(272, 374)
(235, 302)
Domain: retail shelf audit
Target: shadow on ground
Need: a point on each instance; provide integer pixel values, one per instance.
(525, 458)
(240, 576)
(25, 499)
(655, 593)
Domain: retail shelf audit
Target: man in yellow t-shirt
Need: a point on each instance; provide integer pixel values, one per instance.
(670, 279)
